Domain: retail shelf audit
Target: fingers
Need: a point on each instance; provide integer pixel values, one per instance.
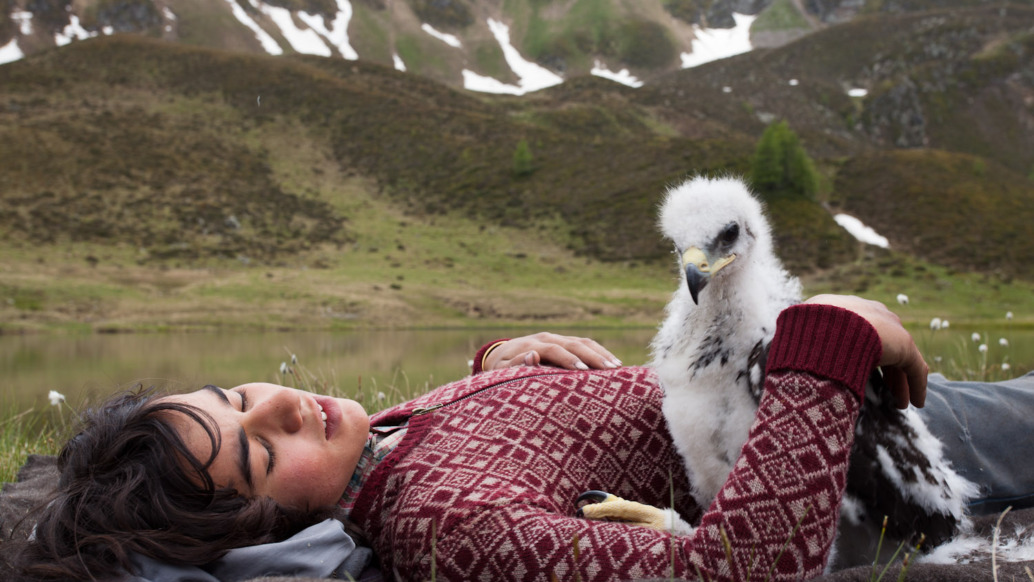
(903, 366)
(568, 352)
(917, 374)
(575, 353)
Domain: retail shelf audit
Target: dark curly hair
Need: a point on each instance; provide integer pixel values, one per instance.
(129, 484)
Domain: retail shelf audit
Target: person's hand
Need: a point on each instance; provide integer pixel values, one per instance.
(904, 368)
(572, 353)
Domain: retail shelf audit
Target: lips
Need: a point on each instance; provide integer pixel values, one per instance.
(331, 415)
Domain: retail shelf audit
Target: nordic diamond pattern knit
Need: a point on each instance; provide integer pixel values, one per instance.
(482, 487)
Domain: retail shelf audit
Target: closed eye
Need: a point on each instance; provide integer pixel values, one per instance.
(270, 453)
(271, 456)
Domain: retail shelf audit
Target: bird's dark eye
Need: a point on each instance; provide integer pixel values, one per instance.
(729, 234)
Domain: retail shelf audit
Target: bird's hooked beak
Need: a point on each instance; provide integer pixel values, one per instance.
(699, 269)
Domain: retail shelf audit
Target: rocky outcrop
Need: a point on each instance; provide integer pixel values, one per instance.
(895, 117)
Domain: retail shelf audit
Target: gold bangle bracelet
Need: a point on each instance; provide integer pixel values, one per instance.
(484, 358)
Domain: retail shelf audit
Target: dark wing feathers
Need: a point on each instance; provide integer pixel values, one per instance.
(881, 424)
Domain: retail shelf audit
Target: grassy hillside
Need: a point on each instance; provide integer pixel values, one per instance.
(953, 80)
(195, 120)
(950, 209)
(153, 185)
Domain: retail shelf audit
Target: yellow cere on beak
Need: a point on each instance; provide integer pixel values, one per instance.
(699, 269)
(698, 258)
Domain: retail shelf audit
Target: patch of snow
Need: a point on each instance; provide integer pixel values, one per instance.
(794, 82)
(306, 42)
(711, 44)
(860, 231)
(24, 20)
(444, 37)
(857, 92)
(10, 52)
(268, 44)
(74, 31)
(532, 76)
(623, 76)
(726, 89)
(108, 30)
(399, 65)
(337, 34)
(475, 82)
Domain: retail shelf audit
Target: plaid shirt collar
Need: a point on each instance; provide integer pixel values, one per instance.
(381, 441)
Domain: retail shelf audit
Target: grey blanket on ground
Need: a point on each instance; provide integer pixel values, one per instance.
(38, 477)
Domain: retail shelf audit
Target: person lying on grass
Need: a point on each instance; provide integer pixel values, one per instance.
(477, 478)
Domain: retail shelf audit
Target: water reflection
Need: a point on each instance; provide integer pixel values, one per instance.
(97, 365)
(411, 360)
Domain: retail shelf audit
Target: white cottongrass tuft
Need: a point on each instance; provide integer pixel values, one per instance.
(902, 299)
(283, 368)
(936, 323)
(1006, 367)
(1003, 342)
(55, 397)
(945, 324)
(975, 337)
(1008, 315)
(982, 348)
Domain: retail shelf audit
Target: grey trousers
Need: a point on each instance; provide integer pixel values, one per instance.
(988, 434)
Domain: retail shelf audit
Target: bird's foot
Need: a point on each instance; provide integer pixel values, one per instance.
(604, 506)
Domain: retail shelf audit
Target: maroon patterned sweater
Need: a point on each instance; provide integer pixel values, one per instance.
(483, 485)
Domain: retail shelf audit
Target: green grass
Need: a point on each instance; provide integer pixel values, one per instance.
(26, 432)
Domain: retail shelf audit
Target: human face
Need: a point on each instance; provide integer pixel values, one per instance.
(296, 447)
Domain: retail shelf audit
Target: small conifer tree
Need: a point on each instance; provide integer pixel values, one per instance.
(523, 161)
(780, 164)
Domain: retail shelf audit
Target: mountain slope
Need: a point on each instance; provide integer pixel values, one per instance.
(461, 42)
(960, 80)
(583, 162)
(189, 118)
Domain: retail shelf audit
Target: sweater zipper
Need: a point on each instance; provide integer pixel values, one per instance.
(420, 410)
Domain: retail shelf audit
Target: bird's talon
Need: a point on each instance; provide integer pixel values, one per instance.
(590, 496)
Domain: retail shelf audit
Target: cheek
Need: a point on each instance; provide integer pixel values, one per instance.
(310, 480)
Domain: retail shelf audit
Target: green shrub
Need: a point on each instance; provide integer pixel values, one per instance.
(523, 161)
(780, 164)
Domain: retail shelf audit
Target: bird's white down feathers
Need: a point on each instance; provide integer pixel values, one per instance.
(702, 352)
(709, 354)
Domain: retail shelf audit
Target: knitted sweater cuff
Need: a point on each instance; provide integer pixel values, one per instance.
(827, 341)
(479, 357)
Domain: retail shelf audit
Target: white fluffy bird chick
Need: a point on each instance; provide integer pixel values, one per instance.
(709, 352)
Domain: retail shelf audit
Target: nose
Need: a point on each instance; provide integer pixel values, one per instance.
(280, 410)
